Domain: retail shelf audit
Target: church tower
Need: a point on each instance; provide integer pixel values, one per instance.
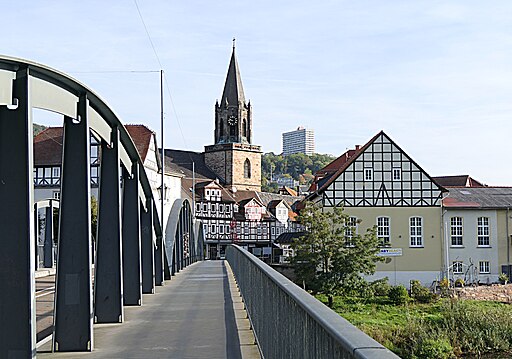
(233, 157)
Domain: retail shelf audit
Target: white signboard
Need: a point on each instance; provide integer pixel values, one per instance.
(390, 252)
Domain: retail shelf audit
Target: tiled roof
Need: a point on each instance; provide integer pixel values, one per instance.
(458, 181)
(288, 191)
(181, 162)
(48, 147)
(48, 144)
(323, 175)
(274, 203)
(186, 189)
(287, 238)
(141, 136)
(479, 197)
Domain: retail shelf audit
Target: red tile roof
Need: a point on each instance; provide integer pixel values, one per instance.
(141, 136)
(48, 147)
(48, 144)
(458, 181)
(332, 167)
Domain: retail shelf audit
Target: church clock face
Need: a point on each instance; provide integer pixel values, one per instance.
(232, 120)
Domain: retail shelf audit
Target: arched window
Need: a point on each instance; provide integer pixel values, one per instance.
(247, 168)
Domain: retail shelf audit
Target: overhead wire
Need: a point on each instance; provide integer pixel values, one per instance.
(169, 94)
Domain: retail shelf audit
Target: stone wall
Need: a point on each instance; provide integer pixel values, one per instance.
(239, 181)
(495, 292)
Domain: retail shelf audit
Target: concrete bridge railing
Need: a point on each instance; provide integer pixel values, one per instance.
(290, 323)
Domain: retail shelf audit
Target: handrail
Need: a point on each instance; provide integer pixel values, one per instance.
(288, 322)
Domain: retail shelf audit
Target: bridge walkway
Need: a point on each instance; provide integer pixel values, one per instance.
(192, 316)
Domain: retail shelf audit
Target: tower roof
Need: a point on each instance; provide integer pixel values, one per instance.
(233, 89)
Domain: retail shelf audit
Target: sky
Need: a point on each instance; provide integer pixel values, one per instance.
(436, 76)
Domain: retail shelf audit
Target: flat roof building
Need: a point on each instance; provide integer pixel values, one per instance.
(301, 140)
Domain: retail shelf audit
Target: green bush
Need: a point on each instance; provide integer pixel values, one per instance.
(398, 295)
(435, 349)
(422, 294)
(381, 287)
(503, 278)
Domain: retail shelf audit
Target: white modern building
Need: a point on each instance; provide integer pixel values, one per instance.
(301, 140)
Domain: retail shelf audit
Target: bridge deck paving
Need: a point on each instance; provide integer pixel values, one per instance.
(192, 316)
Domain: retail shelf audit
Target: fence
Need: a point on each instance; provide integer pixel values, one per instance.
(290, 323)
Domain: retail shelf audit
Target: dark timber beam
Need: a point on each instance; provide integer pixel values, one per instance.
(147, 245)
(108, 284)
(73, 298)
(17, 239)
(132, 275)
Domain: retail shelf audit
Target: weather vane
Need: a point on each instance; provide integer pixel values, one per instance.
(234, 43)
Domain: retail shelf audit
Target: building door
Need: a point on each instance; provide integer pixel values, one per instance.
(212, 251)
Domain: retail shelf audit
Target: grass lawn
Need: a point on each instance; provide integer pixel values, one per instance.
(443, 329)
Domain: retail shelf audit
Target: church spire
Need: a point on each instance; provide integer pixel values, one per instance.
(233, 90)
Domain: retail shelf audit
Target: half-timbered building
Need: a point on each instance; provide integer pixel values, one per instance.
(380, 185)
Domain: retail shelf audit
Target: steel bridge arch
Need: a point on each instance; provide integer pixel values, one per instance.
(184, 239)
(123, 271)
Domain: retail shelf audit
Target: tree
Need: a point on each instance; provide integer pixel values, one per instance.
(94, 217)
(331, 258)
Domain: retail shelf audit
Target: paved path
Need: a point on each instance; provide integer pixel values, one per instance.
(192, 316)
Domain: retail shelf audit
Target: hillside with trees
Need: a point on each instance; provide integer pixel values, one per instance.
(38, 128)
(299, 167)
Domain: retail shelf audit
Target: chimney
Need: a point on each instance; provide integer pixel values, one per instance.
(358, 147)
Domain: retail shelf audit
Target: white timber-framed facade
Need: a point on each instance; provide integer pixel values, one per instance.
(380, 185)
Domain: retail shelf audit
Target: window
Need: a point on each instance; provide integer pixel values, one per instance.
(227, 229)
(483, 231)
(247, 168)
(457, 267)
(383, 230)
(94, 175)
(416, 231)
(56, 195)
(94, 153)
(368, 174)
(484, 267)
(396, 174)
(205, 228)
(221, 229)
(221, 208)
(456, 231)
(350, 231)
(213, 229)
(198, 207)
(273, 230)
(205, 207)
(228, 208)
